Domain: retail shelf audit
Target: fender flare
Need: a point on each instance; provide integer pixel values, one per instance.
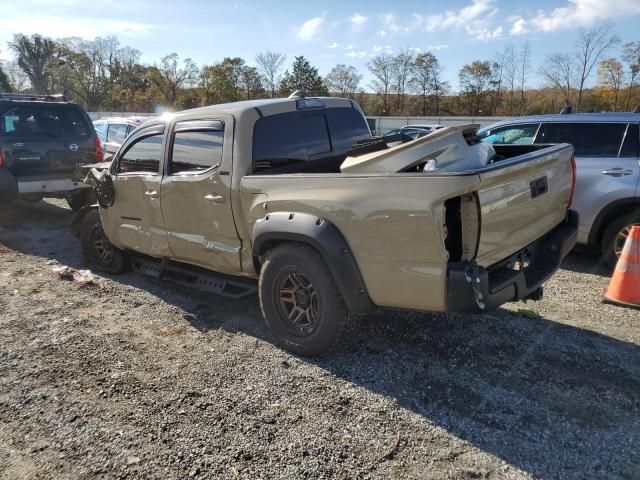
(327, 239)
(599, 224)
(76, 223)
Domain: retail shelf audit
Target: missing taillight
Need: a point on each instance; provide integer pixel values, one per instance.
(462, 222)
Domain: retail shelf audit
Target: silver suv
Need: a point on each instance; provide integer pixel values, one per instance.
(607, 158)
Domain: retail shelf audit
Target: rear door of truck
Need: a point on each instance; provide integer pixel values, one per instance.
(521, 199)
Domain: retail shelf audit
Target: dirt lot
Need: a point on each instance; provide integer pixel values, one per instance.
(134, 378)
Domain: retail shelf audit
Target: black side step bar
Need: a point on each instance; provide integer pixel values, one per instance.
(191, 276)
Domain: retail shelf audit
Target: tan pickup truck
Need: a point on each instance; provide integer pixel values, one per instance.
(297, 194)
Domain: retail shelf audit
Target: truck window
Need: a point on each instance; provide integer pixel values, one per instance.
(589, 139)
(630, 147)
(289, 138)
(513, 134)
(196, 151)
(143, 155)
(346, 126)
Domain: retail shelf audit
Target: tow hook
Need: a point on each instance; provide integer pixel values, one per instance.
(472, 276)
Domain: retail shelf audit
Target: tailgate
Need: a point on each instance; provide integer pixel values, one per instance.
(521, 199)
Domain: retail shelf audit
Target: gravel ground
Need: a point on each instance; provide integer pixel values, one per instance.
(135, 378)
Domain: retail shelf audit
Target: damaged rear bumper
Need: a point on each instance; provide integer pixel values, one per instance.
(475, 289)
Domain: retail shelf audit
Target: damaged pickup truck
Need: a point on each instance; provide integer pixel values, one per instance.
(297, 194)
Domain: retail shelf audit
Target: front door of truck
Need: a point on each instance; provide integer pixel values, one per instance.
(196, 194)
(134, 221)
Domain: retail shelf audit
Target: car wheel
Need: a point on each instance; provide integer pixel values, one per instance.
(615, 235)
(97, 250)
(299, 300)
(80, 198)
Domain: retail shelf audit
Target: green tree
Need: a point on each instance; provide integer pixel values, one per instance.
(303, 77)
(474, 79)
(610, 76)
(168, 78)
(35, 55)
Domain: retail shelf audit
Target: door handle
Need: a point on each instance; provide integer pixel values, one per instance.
(617, 172)
(214, 198)
(152, 194)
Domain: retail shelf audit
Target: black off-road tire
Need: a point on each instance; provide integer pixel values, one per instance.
(95, 244)
(289, 262)
(80, 198)
(608, 244)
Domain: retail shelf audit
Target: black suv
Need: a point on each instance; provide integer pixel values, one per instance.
(43, 139)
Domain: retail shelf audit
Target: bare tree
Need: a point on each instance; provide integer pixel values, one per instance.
(631, 55)
(591, 45)
(426, 80)
(558, 70)
(510, 70)
(474, 78)
(343, 80)
(610, 75)
(169, 78)
(401, 67)
(5, 85)
(381, 68)
(498, 67)
(270, 64)
(523, 73)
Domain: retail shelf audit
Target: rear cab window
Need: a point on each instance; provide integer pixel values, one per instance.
(314, 140)
(588, 139)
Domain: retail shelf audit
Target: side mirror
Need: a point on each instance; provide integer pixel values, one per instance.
(102, 183)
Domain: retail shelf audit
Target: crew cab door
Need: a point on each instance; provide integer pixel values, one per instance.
(196, 194)
(134, 222)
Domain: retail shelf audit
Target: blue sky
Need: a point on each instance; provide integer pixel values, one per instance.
(327, 32)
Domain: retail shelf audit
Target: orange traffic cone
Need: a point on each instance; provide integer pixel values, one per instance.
(624, 288)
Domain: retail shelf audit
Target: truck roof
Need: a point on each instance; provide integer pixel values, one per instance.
(265, 107)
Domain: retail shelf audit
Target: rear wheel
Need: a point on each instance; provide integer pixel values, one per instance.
(615, 235)
(299, 300)
(97, 250)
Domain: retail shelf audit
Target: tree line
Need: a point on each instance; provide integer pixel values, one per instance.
(104, 75)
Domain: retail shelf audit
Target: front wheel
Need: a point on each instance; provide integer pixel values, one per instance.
(299, 300)
(615, 236)
(80, 198)
(97, 250)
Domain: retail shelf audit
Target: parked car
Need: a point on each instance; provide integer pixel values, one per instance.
(607, 160)
(113, 130)
(424, 126)
(410, 132)
(255, 190)
(43, 139)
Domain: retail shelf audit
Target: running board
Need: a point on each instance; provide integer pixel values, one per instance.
(191, 276)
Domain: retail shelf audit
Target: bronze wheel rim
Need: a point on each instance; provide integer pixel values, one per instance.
(100, 245)
(620, 239)
(298, 302)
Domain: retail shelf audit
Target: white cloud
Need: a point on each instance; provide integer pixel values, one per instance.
(441, 46)
(310, 29)
(57, 27)
(379, 48)
(578, 13)
(518, 27)
(357, 21)
(476, 19)
(357, 53)
(333, 45)
(349, 46)
(382, 33)
(389, 22)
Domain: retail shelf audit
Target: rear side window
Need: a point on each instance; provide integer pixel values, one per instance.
(588, 139)
(346, 126)
(50, 120)
(196, 150)
(512, 135)
(117, 132)
(143, 155)
(630, 147)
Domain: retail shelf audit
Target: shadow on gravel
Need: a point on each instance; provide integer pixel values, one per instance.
(584, 261)
(553, 400)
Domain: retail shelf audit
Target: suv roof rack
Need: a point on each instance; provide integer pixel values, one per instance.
(30, 97)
